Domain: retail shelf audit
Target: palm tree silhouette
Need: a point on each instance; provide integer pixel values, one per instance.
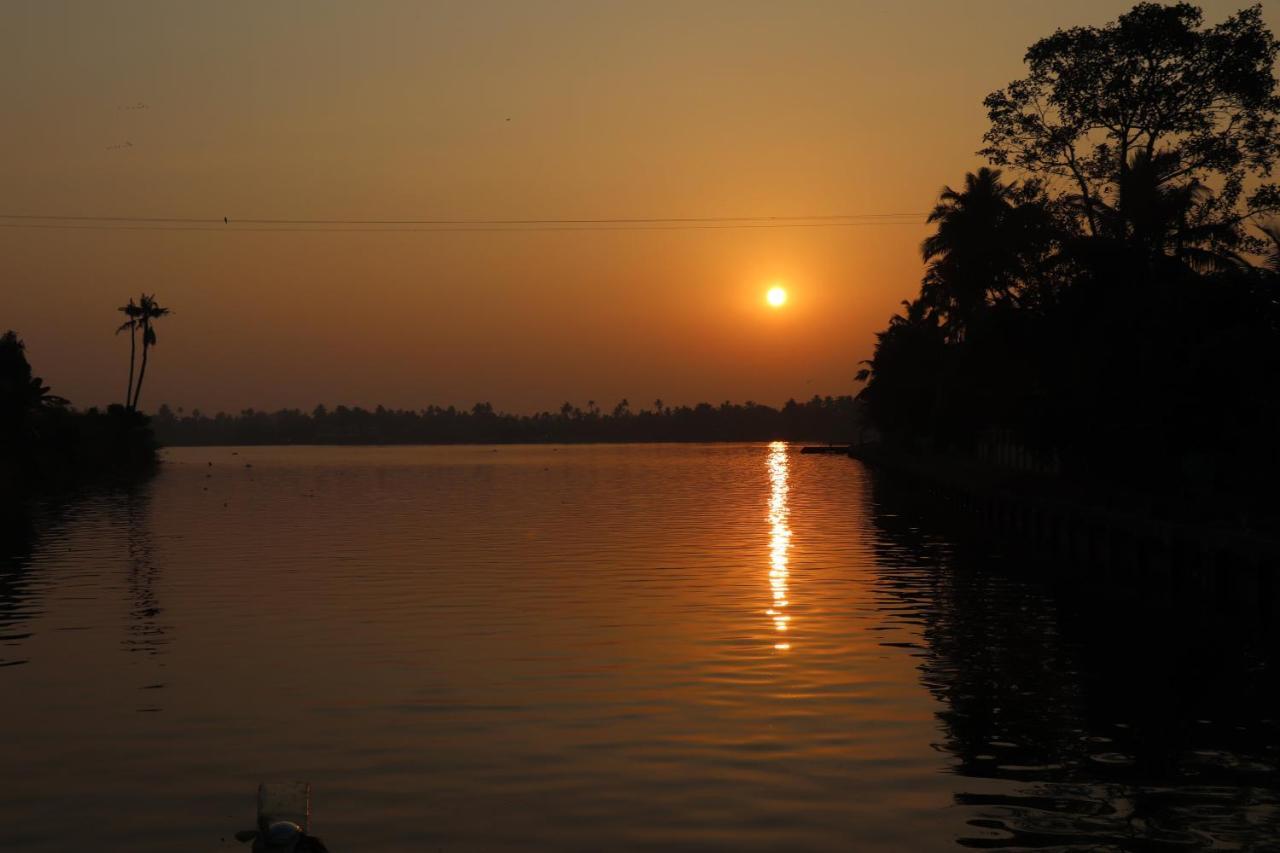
(132, 312)
(149, 310)
(974, 255)
(1151, 219)
(1272, 262)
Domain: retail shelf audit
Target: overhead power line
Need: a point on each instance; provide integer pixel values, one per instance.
(300, 225)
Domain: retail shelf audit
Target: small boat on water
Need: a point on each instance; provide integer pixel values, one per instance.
(825, 448)
(284, 820)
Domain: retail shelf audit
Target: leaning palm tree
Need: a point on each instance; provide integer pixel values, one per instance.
(132, 312)
(149, 311)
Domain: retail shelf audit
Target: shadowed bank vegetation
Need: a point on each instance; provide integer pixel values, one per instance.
(44, 443)
(1104, 303)
(820, 419)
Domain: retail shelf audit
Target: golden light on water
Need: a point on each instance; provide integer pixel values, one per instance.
(779, 539)
(776, 297)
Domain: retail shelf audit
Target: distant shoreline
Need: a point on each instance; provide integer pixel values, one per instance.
(521, 443)
(821, 419)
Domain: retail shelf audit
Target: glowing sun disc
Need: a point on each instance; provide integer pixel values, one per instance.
(776, 296)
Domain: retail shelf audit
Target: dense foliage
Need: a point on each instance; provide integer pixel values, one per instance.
(820, 419)
(43, 442)
(1115, 308)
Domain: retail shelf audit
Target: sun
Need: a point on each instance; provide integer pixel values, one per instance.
(776, 297)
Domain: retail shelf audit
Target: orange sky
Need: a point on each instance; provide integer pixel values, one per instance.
(387, 110)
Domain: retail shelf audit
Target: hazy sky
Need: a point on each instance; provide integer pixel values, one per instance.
(541, 110)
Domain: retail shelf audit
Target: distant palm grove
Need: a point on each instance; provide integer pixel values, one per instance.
(819, 419)
(1106, 296)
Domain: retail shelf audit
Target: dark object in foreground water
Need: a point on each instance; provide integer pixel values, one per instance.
(284, 816)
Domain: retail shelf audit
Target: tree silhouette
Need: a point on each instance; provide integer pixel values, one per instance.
(828, 419)
(1154, 219)
(22, 394)
(148, 312)
(1122, 324)
(985, 235)
(132, 313)
(1154, 82)
(903, 374)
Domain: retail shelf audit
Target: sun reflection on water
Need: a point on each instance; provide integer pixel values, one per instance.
(779, 540)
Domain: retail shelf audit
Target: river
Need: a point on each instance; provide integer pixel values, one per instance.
(636, 647)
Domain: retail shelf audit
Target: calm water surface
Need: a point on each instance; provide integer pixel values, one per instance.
(602, 647)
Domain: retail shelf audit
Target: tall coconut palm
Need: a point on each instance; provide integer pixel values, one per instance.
(976, 255)
(149, 312)
(132, 312)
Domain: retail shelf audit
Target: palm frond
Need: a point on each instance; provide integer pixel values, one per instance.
(1207, 261)
(1272, 230)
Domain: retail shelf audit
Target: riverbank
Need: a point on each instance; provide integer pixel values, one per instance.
(1172, 538)
(58, 449)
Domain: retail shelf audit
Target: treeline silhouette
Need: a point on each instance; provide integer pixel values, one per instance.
(44, 443)
(1108, 305)
(828, 419)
